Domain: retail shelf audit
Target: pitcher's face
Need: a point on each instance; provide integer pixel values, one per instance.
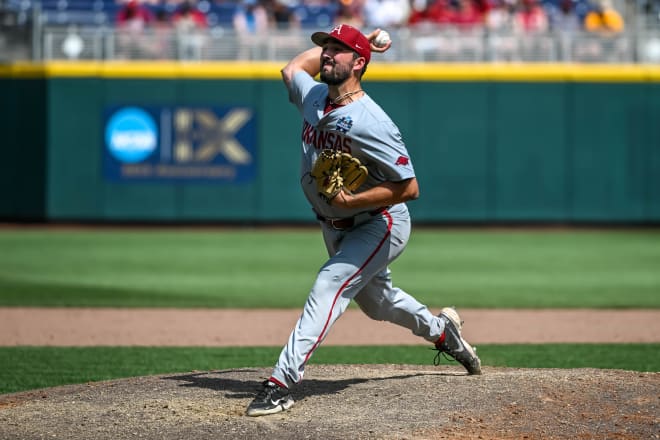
(337, 63)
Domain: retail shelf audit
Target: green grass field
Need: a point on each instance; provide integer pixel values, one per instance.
(266, 268)
(275, 268)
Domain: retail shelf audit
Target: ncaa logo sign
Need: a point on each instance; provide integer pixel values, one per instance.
(131, 135)
(171, 143)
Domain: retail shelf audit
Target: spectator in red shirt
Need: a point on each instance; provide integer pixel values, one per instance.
(435, 12)
(191, 26)
(188, 17)
(132, 20)
(134, 15)
(467, 14)
(530, 17)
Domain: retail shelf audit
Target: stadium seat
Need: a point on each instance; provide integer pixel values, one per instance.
(221, 14)
(315, 16)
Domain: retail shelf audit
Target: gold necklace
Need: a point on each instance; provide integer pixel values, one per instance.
(340, 98)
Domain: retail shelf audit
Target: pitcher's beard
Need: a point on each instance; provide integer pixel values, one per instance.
(335, 76)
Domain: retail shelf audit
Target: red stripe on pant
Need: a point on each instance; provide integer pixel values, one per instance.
(343, 286)
(277, 382)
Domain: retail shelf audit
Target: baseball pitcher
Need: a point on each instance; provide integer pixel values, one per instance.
(357, 175)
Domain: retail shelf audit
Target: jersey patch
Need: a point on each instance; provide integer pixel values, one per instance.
(344, 124)
(402, 160)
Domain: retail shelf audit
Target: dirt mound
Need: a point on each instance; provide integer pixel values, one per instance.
(348, 401)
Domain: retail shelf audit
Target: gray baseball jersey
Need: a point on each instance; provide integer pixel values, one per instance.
(359, 256)
(360, 128)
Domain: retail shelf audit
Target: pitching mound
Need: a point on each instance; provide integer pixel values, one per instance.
(348, 402)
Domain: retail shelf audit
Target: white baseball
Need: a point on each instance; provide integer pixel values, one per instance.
(382, 39)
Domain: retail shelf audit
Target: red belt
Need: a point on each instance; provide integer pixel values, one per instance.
(348, 222)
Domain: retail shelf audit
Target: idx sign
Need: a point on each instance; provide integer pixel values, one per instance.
(173, 144)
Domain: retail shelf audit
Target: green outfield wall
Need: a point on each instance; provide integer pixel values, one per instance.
(490, 143)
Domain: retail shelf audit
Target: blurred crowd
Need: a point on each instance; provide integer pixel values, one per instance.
(506, 30)
(261, 16)
(439, 20)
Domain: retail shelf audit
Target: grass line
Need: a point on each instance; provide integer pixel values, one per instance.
(29, 368)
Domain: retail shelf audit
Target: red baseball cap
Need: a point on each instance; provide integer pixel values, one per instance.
(347, 35)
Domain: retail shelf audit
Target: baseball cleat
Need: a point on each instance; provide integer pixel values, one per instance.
(270, 400)
(452, 343)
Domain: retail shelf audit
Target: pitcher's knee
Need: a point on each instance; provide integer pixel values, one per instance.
(325, 284)
(330, 281)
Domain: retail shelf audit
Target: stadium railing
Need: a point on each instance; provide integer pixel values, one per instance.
(441, 45)
(85, 30)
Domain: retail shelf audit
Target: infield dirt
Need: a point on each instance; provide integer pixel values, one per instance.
(336, 401)
(226, 327)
